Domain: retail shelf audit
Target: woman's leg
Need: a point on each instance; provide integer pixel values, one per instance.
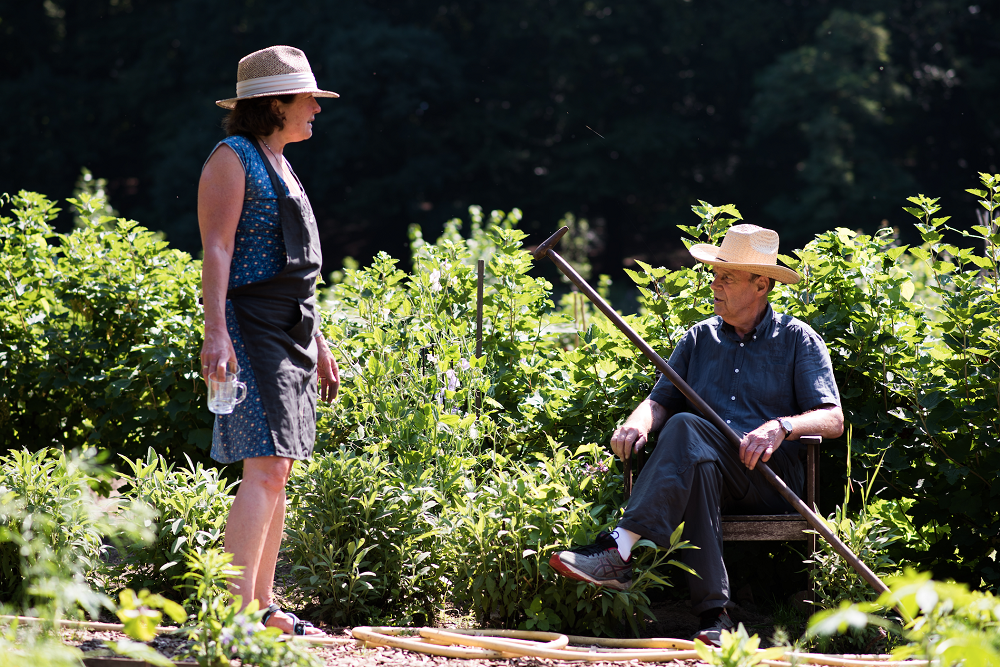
(264, 584)
(248, 528)
(254, 530)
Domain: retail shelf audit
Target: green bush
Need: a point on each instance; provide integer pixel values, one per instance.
(363, 537)
(99, 336)
(502, 531)
(192, 504)
(378, 540)
(54, 535)
(916, 347)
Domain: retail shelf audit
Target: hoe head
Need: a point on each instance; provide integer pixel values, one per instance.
(542, 251)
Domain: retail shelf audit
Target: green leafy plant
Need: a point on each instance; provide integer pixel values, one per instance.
(221, 631)
(363, 536)
(503, 531)
(192, 503)
(53, 534)
(951, 625)
(738, 650)
(916, 348)
(99, 335)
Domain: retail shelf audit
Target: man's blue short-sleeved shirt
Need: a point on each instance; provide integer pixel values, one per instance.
(781, 368)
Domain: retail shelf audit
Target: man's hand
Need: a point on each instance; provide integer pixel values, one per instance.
(760, 443)
(631, 436)
(627, 440)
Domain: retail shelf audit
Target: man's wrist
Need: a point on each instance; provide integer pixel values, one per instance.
(787, 428)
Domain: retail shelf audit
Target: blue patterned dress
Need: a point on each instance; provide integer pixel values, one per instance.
(259, 254)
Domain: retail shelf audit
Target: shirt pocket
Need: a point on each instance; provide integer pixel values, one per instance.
(776, 389)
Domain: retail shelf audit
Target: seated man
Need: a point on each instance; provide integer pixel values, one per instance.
(767, 375)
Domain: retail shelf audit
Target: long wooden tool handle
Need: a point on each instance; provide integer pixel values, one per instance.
(545, 250)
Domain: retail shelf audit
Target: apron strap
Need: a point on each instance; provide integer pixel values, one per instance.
(279, 189)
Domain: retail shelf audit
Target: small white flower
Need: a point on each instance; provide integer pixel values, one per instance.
(435, 278)
(452, 379)
(464, 364)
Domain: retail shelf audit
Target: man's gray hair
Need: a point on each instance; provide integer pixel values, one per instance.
(770, 281)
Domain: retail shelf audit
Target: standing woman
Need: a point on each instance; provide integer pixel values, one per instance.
(262, 258)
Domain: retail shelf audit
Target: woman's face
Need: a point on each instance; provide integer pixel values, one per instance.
(299, 116)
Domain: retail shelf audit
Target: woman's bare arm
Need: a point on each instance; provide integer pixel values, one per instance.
(220, 203)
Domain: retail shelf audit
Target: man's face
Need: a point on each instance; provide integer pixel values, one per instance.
(736, 297)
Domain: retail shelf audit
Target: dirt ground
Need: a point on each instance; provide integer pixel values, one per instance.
(673, 620)
(349, 654)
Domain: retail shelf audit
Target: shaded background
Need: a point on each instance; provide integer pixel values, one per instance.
(806, 114)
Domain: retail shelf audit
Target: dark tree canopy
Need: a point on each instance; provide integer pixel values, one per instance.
(807, 114)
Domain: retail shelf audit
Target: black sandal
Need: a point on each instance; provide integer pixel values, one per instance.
(271, 611)
(298, 625)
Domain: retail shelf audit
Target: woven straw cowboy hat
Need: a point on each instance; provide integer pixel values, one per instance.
(276, 70)
(747, 248)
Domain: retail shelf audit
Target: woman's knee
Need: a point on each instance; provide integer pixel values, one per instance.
(268, 472)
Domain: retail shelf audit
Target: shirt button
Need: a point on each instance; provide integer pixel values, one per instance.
(728, 422)
(741, 344)
(737, 370)
(732, 398)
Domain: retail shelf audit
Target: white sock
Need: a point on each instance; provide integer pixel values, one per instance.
(625, 539)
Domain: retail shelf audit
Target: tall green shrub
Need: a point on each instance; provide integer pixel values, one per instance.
(916, 346)
(363, 536)
(99, 335)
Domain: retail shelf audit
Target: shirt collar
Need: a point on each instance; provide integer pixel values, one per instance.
(762, 330)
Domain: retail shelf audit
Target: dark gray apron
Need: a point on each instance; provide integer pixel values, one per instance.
(279, 322)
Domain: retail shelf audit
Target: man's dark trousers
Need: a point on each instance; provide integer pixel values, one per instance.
(692, 476)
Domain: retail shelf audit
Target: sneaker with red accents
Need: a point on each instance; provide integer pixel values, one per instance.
(599, 563)
(713, 622)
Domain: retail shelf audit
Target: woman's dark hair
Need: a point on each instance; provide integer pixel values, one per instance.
(256, 116)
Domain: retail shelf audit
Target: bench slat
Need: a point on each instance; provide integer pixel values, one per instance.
(766, 527)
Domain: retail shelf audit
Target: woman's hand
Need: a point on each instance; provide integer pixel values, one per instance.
(329, 374)
(217, 353)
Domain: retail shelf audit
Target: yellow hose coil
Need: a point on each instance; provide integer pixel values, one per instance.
(553, 646)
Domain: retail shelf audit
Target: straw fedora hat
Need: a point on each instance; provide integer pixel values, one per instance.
(276, 70)
(747, 248)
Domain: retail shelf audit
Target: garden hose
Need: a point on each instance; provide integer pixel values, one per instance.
(494, 644)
